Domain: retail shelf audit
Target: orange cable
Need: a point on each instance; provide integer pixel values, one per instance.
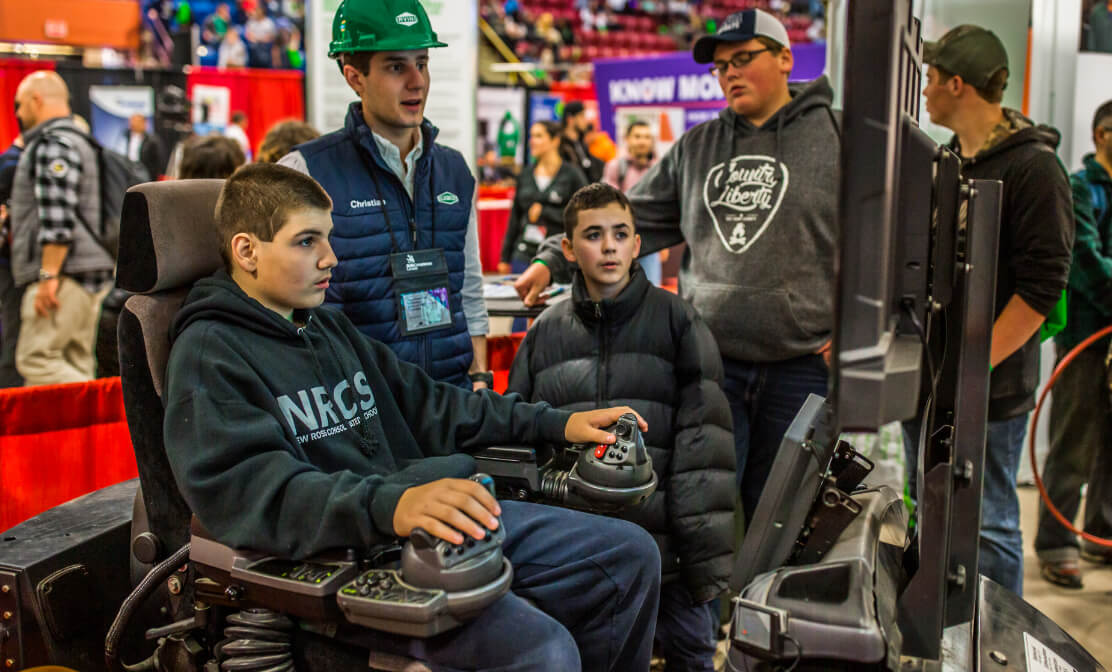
(1034, 425)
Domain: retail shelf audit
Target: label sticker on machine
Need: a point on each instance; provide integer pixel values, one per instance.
(1041, 658)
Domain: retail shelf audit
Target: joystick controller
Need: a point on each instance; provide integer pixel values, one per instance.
(430, 562)
(439, 585)
(623, 464)
(600, 477)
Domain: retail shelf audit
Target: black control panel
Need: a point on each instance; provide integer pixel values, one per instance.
(439, 584)
(308, 573)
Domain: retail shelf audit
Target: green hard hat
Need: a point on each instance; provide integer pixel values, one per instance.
(381, 25)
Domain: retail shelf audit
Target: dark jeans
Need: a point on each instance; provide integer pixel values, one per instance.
(584, 596)
(1080, 452)
(685, 630)
(764, 398)
(520, 323)
(10, 299)
(1001, 543)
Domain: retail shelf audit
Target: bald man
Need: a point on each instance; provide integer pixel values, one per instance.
(55, 255)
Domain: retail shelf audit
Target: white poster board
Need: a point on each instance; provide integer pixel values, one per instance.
(328, 94)
(493, 103)
(111, 111)
(1094, 87)
(211, 105)
(454, 70)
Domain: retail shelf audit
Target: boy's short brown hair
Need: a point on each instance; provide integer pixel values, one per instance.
(259, 198)
(592, 197)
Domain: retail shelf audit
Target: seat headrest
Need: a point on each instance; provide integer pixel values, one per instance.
(168, 235)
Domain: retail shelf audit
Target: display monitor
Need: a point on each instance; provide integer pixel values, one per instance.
(885, 208)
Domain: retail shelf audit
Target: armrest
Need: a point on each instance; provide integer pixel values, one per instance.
(514, 468)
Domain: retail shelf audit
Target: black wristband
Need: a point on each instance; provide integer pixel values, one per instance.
(482, 377)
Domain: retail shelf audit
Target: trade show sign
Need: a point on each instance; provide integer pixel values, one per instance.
(112, 107)
(673, 92)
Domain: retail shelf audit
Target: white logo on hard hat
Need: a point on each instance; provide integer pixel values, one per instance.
(406, 19)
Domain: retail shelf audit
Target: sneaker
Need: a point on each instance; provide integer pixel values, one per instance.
(1066, 574)
(1101, 556)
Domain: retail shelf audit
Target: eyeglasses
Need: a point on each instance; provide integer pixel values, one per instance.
(739, 61)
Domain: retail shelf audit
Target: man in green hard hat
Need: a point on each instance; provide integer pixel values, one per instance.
(404, 234)
(406, 231)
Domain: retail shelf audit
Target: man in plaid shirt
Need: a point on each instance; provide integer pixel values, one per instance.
(1080, 422)
(67, 271)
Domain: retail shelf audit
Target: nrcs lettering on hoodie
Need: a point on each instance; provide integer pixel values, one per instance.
(318, 412)
(742, 196)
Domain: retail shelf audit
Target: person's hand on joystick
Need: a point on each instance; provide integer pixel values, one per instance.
(449, 509)
(587, 426)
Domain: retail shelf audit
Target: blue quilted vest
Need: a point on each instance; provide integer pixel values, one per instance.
(362, 285)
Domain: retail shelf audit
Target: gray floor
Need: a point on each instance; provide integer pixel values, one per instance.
(1085, 614)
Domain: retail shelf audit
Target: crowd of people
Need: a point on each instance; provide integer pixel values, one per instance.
(557, 33)
(232, 33)
(715, 374)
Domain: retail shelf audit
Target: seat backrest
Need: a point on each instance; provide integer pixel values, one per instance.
(168, 241)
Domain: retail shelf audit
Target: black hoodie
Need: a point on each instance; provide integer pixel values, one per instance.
(292, 440)
(1036, 242)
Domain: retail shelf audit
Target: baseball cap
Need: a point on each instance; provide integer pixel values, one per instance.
(741, 27)
(970, 51)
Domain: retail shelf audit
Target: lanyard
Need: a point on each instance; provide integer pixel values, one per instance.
(382, 202)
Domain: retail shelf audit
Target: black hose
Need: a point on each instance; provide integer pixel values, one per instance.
(157, 575)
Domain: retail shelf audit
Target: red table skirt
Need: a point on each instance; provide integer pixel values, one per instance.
(494, 217)
(58, 442)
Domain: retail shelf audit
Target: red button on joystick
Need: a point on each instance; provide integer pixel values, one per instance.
(600, 450)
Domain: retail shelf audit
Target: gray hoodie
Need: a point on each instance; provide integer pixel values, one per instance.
(757, 207)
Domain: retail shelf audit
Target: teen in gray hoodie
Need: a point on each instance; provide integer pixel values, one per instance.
(753, 193)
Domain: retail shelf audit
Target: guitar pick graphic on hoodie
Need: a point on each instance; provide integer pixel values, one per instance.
(742, 196)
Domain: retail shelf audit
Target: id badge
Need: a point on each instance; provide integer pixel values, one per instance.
(421, 290)
(534, 233)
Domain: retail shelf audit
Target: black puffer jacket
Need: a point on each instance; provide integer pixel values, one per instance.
(650, 350)
(1036, 244)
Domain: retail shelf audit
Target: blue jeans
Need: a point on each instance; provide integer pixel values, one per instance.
(685, 630)
(584, 596)
(1001, 542)
(520, 323)
(764, 398)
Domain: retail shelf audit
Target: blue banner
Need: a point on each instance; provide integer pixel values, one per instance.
(677, 87)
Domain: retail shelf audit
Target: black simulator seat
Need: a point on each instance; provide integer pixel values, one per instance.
(168, 241)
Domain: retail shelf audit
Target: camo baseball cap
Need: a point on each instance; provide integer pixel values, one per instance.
(970, 51)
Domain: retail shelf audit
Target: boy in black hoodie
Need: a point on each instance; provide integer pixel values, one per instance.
(622, 340)
(966, 77)
(290, 433)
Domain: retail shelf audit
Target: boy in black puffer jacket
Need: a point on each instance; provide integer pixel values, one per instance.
(621, 340)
